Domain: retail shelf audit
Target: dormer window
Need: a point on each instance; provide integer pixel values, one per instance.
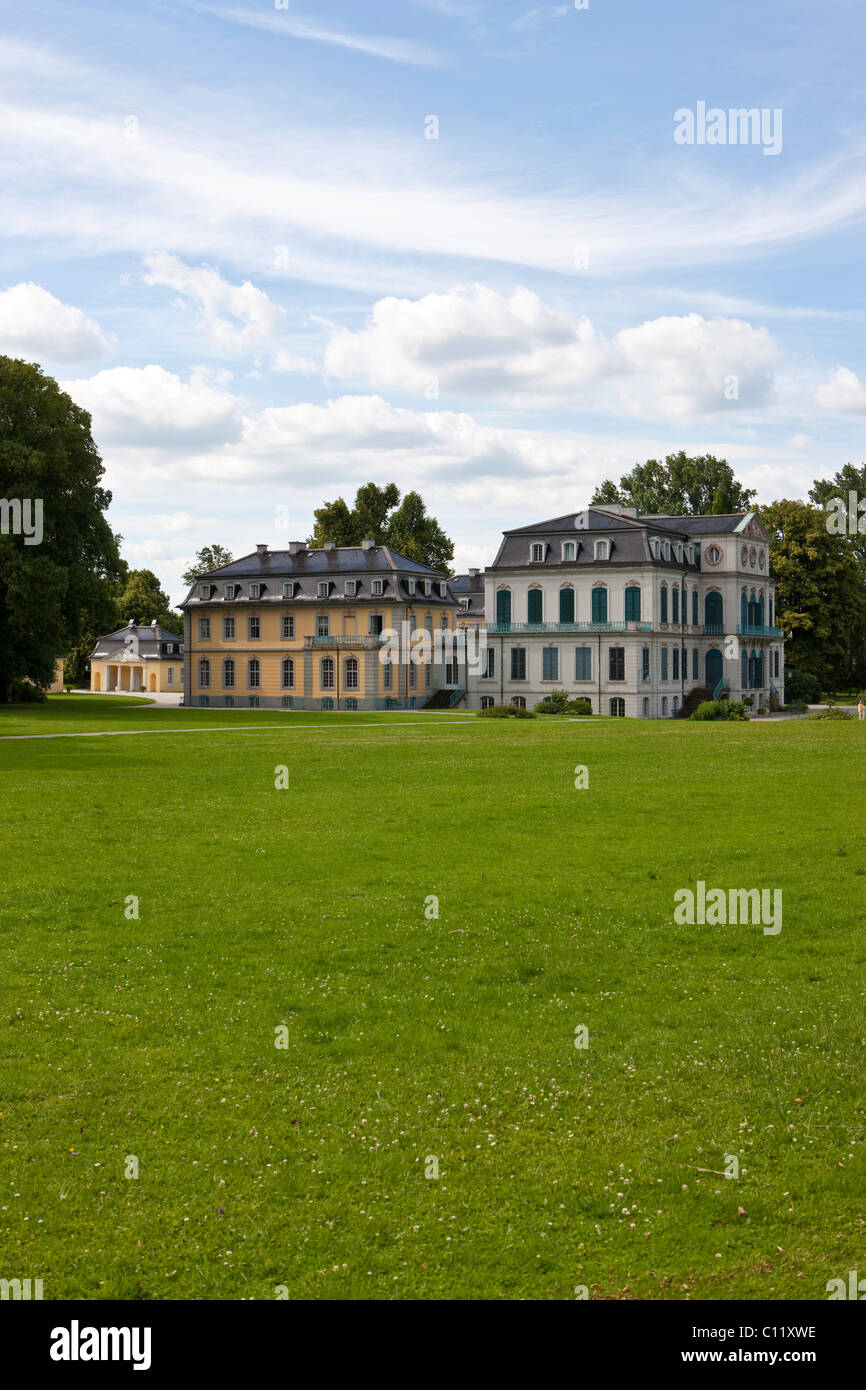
(656, 549)
(679, 550)
(322, 588)
(568, 551)
(206, 590)
(443, 589)
(350, 588)
(536, 553)
(289, 589)
(377, 587)
(410, 586)
(427, 586)
(667, 550)
(255, 591)
(601, 550)
(230, 590)
(464, 605)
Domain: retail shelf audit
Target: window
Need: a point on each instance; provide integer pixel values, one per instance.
(254, 673)
(656, 549)
(443, 622)
(599, 605)
(645, 664)
(632, 604)
(353, 673)
(228, 629)
(775, 661)
(204, 674)
(550, 664)
(518, 663)
(375, 624)
(230, 701)
(664, 663)
(675, 704)
(695, 660)
(350, 588)
(616, 663)
(772, 624)
(646, 708)
(426, 586)
(387, 675)
(427, 674)
(534, 606)
(694, 607)
(713, 613)
(287, 702)
(323, 625)
(568, 551)
(206, 590)
(675, 598)
(744, 670)
(376, 588)
(443, 588)
(714, 555)
(287, 673)
(254, 629)
(204, 700)
(323, 588)
(503, 606)
(204, 629)
(228, 674)
(170, 675)
(255, 591)
(583, 663)
(413, 676)
(666, 550)
(518, 701)
(664, 706)
(351, 704)
(230, 590)
(664, 616)
(464, 605)
(326, 679)
(490, 668)
(486, 701)
(327, 704)
(679, 552)
(411, 586)
(675, 653)
(289, 589)
(428, 623)
(601, 550)
(287, 626)
(566, 605)
(617, 708)
(536, 553)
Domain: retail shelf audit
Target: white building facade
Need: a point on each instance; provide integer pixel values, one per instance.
(638, 614)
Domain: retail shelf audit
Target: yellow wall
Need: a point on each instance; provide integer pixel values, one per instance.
(152, 675)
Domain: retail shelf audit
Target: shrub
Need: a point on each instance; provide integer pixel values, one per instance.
(720, 709)
(580, 705)
(23, 693)
(555, 703)
(800, 686)
(494, 712)
(519, 713)
(831, 712)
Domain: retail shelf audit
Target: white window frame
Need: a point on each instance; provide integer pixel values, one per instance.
(230, 590)
(602, 550)
(255, 591)
(377, 588)
(322, 588)
(410, 586)
(204, 630)
(569, 551)
(536, 553)
(289, 589)
(350, 587)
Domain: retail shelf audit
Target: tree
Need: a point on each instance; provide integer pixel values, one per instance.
(680, 486)
(57, 589)
(210, 557)
(820, 598)
(379, 515)
(825, 490)
(142, 599)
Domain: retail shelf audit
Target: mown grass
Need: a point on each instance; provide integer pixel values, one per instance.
(412, 1037)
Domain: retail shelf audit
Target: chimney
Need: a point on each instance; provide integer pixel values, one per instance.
(473, 573)
(154, 623)
(295, 547)
(131, 623)
(262, 552)
(329, 545)
(368, 544)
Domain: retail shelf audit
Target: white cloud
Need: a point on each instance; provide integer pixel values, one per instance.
(142, 407)
(36, 325)
(532, 18)
(234, 316)
(477, 342)
(842, 393)
(295, 26)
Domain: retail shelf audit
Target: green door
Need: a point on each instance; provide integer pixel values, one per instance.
(503, 606)
(533, 607)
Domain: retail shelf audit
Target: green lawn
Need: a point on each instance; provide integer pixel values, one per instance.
(411, 1037)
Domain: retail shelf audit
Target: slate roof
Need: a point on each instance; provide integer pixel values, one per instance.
(629, 536)
(307, 567)
(150, 641)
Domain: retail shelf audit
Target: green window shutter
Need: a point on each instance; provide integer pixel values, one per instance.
(566, 605)
(503, 606)
(599, 605)
(632, 605)
(533, 607)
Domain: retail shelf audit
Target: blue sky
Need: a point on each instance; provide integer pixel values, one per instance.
(226, 229)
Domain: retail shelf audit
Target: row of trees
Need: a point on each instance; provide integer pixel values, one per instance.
(820, 575)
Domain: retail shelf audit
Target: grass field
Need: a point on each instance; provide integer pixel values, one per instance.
(412, 1037)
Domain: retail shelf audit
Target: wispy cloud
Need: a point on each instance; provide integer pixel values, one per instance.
(295, 26)
(533, 18)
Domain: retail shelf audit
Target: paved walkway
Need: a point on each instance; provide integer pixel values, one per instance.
(156, 696)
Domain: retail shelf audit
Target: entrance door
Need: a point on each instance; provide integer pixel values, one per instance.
(713, 667)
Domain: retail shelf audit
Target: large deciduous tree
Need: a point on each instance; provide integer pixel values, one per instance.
(210, 557)
(142, 598)
(680, 486)
(379, 515)
(53, 592)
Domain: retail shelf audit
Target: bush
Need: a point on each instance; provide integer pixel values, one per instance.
(720, 709)
(580, 706)
(494, 712)
(521, 713)
(23, 693)
(831, 712)
(801, 687)
(554, 703)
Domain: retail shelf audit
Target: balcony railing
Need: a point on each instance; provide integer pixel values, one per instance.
(499, 628)
(714, 630)
(756, 630)
(363, 643)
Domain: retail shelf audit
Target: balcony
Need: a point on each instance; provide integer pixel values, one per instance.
(755, 630)
(714, 630)
(497, 629)
(350, 643)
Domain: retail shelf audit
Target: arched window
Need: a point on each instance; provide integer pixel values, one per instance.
(771, 623)
(327, 673)
(599, 605)
(568, 551)
(664, 706)
(204, 673)
(534, 606)
(744, 609)
(744, 669)
(601, 550)
(753, 610)
(254, 673)
(617, 708)
(503, 606)
(632, 604)
(351, 704)
(486, 701)
(694, 608)
(664, 616)
(352, 673)
(675, 704)
(645, 707)
(675, 598)
(713, 667)
(566, 605)
(713, 612)
(518, 701)
(229, 674)
(327, 704)
(287, 667)
(761, 611)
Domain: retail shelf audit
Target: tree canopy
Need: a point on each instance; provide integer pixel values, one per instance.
(210, 557)
(379, 514)
(142, 599)
(680, 486)
(53, 591)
